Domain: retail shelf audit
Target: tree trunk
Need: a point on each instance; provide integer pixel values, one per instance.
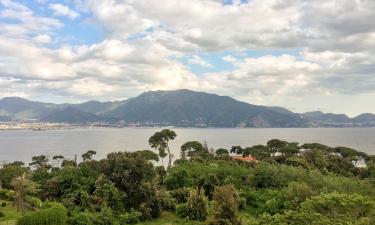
(169, 159)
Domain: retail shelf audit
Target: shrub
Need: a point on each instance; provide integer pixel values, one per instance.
(82, 218)
(132, 217)
(55, 215)
(181, 195)
(182, 210)
(166, 201)
(2, 214)
(3, 204)
(226, 206)
(297, 192)
(195, 208)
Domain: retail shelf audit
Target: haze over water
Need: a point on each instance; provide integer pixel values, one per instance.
(22, 145)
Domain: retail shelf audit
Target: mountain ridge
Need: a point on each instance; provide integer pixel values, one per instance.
(182, 107)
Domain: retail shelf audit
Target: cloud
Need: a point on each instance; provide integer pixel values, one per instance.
(285, 50)
(196, 60)
(63, 10)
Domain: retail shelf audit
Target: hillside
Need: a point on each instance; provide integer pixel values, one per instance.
(184, 108)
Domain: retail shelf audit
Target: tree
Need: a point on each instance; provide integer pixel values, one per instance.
(160, 141)
(237, 150)
(22, 187)
(40, 162)
(222, 152)
(68, 163)
(196, 207)
(226, 206)
(9, 172)
(276, 144)
(88, 155)
(58, 159)
(148, 155)
(258, 151)
(192, 148)
(107, 194)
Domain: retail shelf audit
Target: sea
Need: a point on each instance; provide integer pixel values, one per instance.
(23, 144)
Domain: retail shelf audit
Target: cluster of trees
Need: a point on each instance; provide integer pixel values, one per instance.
(288, 183)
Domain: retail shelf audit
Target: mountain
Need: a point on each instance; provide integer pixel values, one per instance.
(183, 108)
(327, 117)
(15, 108)
(189, 108)
(71, 115)
(365, 118)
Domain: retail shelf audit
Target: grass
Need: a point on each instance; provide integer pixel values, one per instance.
(11, 214)
(168, 218)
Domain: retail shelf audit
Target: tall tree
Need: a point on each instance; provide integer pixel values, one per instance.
(192, 148)
(58, 159)
(160, 141)
(88, 155)
(40, 162)
(22, 187)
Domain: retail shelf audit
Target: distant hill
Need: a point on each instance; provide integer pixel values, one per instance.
(15, 108)
(189, 108)
(327, 117)
(71, 115)
(183, 108)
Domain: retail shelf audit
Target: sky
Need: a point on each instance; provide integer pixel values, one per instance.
(300, 54)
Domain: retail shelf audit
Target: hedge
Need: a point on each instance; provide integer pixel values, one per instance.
(56, 215)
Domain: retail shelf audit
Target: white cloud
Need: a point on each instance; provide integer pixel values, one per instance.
(196, 60)
(42, 39)
(63, 10)
(144, 40)
(230, 59)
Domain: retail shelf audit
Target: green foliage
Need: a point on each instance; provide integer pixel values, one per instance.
(265, 201)
(190, 173)
(56, 215)
(297, 161)
(10, 171)
(88, 155)
(260, 152)
(181, 195)
(331, 208)
(222, 152)
(2, 214)
(192, 148)
(197, 207)
(289, 184)
(297, 192)
(132, 217)
(40, 162)
(148, 155)
(3, 204)
(160, 141)
(226, 207)
(182, 210)
(82, 218)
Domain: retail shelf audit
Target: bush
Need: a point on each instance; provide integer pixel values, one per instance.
(82, 218)
(297, 192)
(56, 215)
(166, 201)
(197, 205)
(182, 210)
(132, 217)
(181, 195)
(2, 214)
(7, 194)
(226, 206)
(3, 204)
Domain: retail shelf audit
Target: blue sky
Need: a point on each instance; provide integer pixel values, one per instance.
(286, 53)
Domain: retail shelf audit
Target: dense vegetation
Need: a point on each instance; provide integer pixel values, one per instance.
(281, 183)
